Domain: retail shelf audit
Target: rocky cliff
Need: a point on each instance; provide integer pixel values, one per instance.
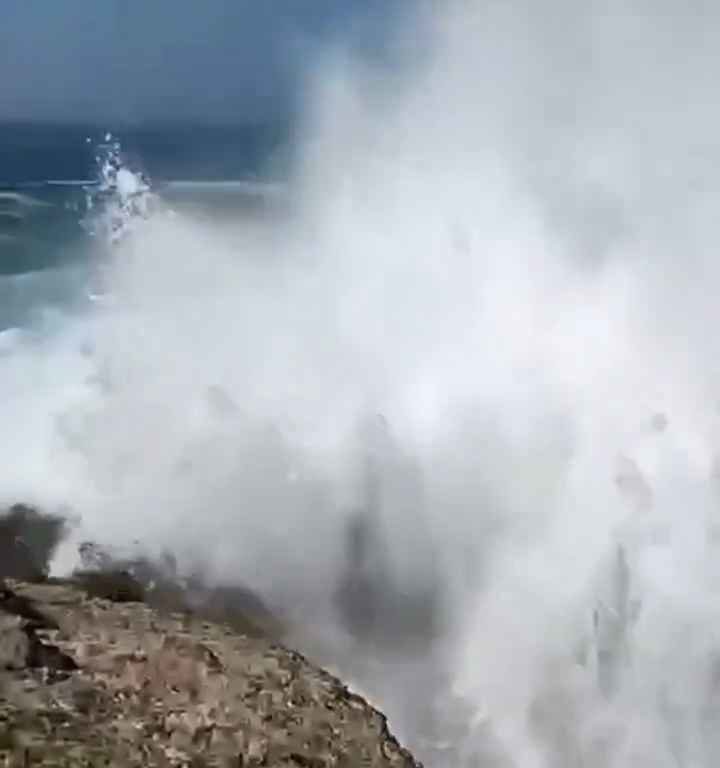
(90, 682)
(112, 668)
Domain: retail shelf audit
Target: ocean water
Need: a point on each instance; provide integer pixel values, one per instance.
(438, 378)
(50, 173)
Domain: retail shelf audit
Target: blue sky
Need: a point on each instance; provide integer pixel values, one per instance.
(216, 60)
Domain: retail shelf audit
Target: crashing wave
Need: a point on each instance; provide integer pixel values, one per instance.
(116, 203)
(120, 197)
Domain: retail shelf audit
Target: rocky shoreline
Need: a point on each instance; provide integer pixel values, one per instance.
(86, 681)
(110, 668)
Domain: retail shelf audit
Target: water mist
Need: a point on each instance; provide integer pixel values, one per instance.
(493, 282)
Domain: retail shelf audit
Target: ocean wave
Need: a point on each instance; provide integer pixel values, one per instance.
(22, 200)
(249, 186)
(70, 182)
(546, 459)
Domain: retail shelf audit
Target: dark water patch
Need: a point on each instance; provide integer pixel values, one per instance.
(40, 227)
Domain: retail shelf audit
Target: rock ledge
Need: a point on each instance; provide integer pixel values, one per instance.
(90, 682)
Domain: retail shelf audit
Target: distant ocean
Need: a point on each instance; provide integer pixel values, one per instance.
(49, 174)
(32, 153)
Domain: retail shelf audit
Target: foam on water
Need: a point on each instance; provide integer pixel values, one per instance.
(509, 252)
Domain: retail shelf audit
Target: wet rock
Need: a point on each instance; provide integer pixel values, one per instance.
(21, 646)
(28, 540)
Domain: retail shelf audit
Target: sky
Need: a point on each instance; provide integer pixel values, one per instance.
(217, 61)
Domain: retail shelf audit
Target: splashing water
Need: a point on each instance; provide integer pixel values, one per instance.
(123, 195)
(115, 205)
(509, 252)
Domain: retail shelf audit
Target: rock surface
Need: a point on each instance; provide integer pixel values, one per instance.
(87, 681)
(28, 540)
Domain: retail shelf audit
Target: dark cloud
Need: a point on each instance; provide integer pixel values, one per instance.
(169, 59)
